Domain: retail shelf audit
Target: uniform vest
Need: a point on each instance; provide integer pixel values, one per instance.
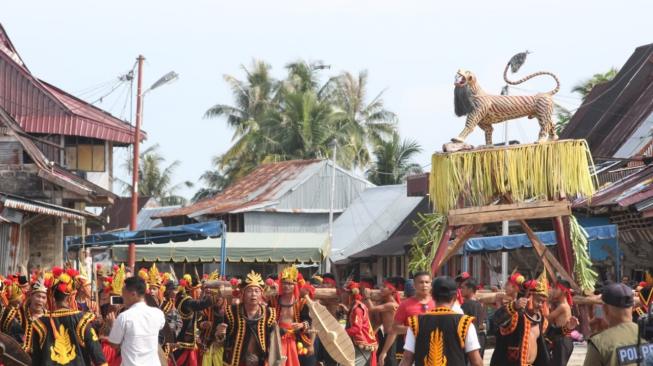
(440, 337)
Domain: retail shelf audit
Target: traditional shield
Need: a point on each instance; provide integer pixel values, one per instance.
(333, 336)
(275, 357)
(11, 353)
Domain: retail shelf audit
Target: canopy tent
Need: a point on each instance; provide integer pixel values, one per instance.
(202, 230)
(511, 242)
(241, 247)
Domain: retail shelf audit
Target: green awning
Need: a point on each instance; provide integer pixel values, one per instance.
(241, 247)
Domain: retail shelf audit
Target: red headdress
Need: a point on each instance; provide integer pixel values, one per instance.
(355, 289)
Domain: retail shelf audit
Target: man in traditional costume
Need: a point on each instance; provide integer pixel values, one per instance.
(65, 336)
(386, 309)
(522, 327)
(442, 336)
(360, 329)
(10, 315)
(188, 309)
(84, 295)
(113, 287)
(34, 308)
(558, 334)
(212, 351)
(292, 317)
(248, 326)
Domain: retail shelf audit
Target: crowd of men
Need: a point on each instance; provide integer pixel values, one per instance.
(153, 318)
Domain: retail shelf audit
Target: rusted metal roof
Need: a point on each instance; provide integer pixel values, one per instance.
(259, 189)
(612, 113)
(44, 208)
(43, 108)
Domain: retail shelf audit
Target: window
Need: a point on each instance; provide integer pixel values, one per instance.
(85, 154)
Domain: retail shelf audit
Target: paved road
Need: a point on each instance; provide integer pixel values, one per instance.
(577, 357)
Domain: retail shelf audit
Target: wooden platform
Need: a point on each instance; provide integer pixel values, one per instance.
(508, 212)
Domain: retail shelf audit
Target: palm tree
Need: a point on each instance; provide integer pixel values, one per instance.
(214, 183)
(364, 124)
(584, 88)
(154, 181)
(393, 161)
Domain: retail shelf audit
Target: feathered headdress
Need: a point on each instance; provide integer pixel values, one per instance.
(289, 274)
(153, 276)
(118, 280)
(252, 279)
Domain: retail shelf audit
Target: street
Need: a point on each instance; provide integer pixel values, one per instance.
(577, 357)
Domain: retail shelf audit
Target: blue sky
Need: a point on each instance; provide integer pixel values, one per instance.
(411, 49)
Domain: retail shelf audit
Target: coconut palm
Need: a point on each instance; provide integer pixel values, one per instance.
(365, 124)
(154, 181)
(393, 161)
(584, 88)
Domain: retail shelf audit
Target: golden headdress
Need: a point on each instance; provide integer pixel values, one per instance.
(154, 279)
(38, 286)
(118, 281)
(289, 274)
(12, 290)
(541, 285)
(253, 279)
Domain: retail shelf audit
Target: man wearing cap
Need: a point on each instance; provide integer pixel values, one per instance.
(248, 325)
(603, 348)
(33, 309)
(442, 336)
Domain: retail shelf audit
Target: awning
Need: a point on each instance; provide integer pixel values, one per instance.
(43, 208)
(241, 247)
(518, 241)
(166, 234)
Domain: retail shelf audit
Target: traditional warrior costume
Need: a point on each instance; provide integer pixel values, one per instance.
(188, 308)
(247, 340)
(65, 336)
(112, 287)
(559, 338)
(26, 317)
(10, 315)
(293, 343)
(359, 327)
(211, 351)
(435, 343)
(513, 340)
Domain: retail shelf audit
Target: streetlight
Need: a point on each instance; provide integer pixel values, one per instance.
(165, 79)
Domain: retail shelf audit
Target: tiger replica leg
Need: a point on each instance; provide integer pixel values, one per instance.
(543, 112)
(473, 119)
(488, 129)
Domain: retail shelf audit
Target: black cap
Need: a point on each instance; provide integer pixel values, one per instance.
(618, 295)
(444, 286)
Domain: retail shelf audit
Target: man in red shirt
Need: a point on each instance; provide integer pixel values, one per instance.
(416, 305)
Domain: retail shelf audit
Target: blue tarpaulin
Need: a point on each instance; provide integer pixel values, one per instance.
(604, 233)
(202, 230)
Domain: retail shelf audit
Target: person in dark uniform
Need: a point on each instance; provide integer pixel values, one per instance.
(474, 308)
(441, 336)
(65, 336)
(189, 311)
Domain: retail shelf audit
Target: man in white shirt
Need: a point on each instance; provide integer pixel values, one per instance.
(435, 338)
(136, 330)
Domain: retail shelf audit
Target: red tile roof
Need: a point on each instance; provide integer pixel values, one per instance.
(258, 188)
(43, 108)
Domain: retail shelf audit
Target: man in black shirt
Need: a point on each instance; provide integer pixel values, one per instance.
(474, 308)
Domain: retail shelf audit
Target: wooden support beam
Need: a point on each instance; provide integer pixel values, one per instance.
(549, 260)
(508, 212)
(441, 251)
(455, 246)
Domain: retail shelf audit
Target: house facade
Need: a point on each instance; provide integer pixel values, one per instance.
(55, 149)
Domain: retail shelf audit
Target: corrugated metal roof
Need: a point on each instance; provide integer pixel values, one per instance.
(612, 113)
(43, 108)
(241, 247)
(44, 208)
(370, 220)
(146, 217)
(262, 189)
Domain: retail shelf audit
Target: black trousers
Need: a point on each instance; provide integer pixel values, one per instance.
(561, 351)
(391, 356)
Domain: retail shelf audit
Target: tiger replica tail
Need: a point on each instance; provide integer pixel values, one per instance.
(484, 110)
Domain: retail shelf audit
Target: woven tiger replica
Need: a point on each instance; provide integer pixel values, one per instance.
(484, 110)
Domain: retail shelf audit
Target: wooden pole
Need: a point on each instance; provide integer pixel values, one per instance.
(131, 257)
(564, 244)
(440, 252)
(457, 243)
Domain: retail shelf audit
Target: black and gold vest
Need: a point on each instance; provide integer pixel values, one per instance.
(240, 329)
(440, 337)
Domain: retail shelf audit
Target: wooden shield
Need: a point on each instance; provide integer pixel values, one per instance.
(332, 335)
(11, 353)
(275, 357)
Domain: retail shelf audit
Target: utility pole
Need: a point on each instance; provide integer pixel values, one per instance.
(137, 139)
(505, 225)
(333, 200)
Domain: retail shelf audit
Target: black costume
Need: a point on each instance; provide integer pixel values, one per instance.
(10, 323)
(475, 309)
(440, 337)
(512, 339)
(188, 309)
(65, 337)
(240, 330)
(560, 343)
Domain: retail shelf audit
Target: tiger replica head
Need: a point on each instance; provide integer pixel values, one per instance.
(465, 87)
